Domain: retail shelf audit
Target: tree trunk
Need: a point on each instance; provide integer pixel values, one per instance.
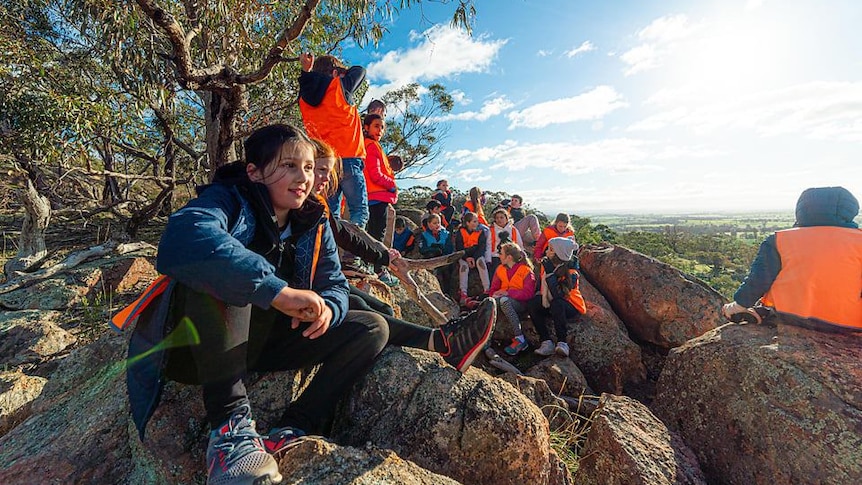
(37, 215)
(222, 109)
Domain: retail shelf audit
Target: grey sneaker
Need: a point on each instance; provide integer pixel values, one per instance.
(466, 336)
(386, 278)
(562, 349)
(236, 456)
(280, 439)
(546, 348)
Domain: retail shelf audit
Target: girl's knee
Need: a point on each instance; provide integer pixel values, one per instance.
(373, 332)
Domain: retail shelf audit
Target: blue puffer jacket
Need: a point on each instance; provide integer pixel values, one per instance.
(820, 206)
(225, 242)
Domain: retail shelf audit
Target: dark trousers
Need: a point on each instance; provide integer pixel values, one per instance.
(235, 340)
(561, 311)
(377, 220)
(401, 333)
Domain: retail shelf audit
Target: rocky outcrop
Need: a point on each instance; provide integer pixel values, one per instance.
(79, 433)
(412, 312)
(561, 375)
(30, 336)
(318, 462)
(602, 349)
(627, 445)
(768, 405)
(17, 392)
(471, 427)
(658, 303)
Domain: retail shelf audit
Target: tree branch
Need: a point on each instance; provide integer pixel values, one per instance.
(287, 35)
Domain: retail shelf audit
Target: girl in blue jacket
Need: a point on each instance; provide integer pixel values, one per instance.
(254, 269)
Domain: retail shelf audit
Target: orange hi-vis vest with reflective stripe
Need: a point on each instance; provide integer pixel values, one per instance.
(517, 281)
(821, 274)
(470, 239)
(574, 297)
(550, 232)
(469, 206)
(335, 121)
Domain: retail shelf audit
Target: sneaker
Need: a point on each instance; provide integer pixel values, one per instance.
(235, 454)
(516, 346)
(280, 439)
(386, 278)
(355, 267)
(466, 336)
(562, 349)
(546, 349)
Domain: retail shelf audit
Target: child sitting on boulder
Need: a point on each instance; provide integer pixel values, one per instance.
(403, 240)
(501, 232)
(560, 228)
(513, 286)
(435, 241)
(560, 295)
(470, 239)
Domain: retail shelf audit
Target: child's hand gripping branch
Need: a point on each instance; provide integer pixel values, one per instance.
(304, 306)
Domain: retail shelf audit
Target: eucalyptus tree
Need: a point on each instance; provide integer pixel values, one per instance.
(220, 49)
(415, 132)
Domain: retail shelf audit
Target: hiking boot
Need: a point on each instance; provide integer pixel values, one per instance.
(546, 348)
(516, 346)
(282, 438)
(562, 349)
(386, 278)
(236, 456)
(464, 337)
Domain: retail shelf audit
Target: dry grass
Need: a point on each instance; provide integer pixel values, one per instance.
(569, 430)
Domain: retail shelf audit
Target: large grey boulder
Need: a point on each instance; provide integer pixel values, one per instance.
(472, 427)
(627, 445)
(761, 404)
(658, 303)
(602, 349)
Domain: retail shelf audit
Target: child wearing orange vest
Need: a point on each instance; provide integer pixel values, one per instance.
(326, 89)
(560, 228)
(471, 240)
(513, 286)
(379, 177)
(500, 232)
(812, 270)
(559, 295)
(474, 204)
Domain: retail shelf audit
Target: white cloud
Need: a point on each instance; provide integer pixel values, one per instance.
(657, 39)
(544, 53)
(585, 46)
(460, 97)
(667, 29)
(817, 110)
(473, 175)
(591, 105)
(610, 155)
(440, 52)
(491, 107)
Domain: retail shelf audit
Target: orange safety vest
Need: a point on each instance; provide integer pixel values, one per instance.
(517, 281)
(550, 232)
(574, 297)
(514, 238)
(385, 168)
(469, 206)
(470, 239)
(821, 274)
(335, 121)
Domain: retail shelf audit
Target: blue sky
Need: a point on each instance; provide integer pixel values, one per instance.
(640, 106)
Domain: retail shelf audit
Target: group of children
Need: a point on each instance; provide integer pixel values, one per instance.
(497, 252)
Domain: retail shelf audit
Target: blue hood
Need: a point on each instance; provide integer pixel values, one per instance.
(826, 206)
